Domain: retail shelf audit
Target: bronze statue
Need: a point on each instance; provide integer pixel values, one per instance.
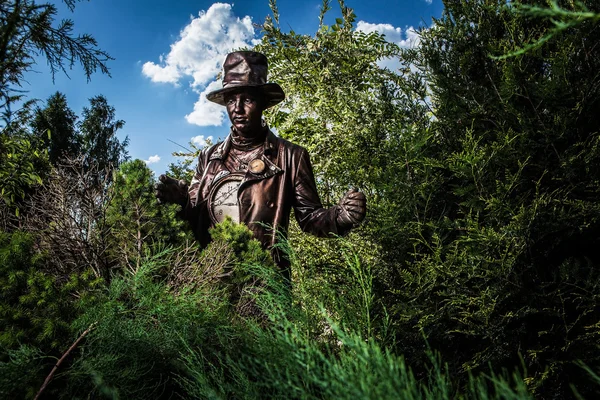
(253, 176)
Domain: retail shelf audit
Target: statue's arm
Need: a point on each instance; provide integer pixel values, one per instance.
(310, 213)
(173, 191)
(189, 210)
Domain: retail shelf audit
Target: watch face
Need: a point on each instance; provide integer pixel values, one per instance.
(223, 200)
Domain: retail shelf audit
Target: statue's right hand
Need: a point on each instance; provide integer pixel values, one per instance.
(169, 190)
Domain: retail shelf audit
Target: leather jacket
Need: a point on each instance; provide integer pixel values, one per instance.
(265, 199)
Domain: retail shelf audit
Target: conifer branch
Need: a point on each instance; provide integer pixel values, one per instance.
(59, 362)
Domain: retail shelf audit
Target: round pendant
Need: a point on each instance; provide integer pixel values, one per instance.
(257, 166)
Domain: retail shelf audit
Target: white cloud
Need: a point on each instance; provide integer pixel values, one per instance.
(207, 113)
(197, 55)
(408, 38)
(201, 141)
(391, 33)
(152, 159)
(412, 38)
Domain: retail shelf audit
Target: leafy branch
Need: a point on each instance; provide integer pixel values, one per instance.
(561, 18)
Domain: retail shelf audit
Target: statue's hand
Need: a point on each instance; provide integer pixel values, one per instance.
(169, 190)
(353, 207)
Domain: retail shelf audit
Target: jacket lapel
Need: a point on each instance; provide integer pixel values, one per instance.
(269, 157)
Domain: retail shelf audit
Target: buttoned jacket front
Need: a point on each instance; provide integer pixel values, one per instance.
(267, 198)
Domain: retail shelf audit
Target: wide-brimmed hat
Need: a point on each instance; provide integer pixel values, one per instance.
(245, 69)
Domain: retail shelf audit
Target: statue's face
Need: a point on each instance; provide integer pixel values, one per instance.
(245, 111)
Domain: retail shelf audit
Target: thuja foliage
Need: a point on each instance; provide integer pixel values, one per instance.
(151, 341)
(35, 308)
(137, 221)
(481, 175)
(36, 312)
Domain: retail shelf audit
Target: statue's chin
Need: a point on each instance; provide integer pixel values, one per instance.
(245, 130)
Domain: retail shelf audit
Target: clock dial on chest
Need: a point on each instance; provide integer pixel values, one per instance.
(223, 199)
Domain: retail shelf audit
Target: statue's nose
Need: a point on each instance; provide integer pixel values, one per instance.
(238, 105)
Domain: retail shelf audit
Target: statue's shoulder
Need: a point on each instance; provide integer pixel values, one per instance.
(289, 147)
(212, 150)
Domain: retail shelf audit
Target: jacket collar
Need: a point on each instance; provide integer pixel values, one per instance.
(269, 157)
(269, 150)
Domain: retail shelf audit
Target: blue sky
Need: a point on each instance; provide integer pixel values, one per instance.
(167, 53)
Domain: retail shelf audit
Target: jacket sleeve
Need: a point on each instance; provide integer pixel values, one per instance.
(196, 180)
(308, 209)
(195, 209)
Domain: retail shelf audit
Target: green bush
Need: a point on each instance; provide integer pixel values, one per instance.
(153, 340)
(36, 308)
(21, 372)
(146, 324)
(36, 312)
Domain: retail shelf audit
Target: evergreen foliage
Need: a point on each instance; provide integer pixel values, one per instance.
(20, 372)
(137, 221)
(35, 308)
(475, 274)
(22, 165)
(149, 341)
(100, 145)
(56, 126)
(506, 245)
(28, 29)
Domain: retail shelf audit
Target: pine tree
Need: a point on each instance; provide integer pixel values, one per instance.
(55, 124)
(138, 221)
(27, 30)
(100, 144)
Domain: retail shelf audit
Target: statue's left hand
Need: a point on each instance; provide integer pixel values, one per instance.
(353, 209)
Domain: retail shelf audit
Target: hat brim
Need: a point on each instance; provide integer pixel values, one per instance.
(272, 91)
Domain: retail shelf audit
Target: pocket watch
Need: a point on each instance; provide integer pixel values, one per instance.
(223, 198)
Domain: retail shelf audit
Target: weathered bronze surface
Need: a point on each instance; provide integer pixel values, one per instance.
(277, 174)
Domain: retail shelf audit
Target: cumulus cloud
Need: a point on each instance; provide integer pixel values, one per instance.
(408, 38)
(412, 38)
(197, 56)
(206, 112)
(201, 141)
(391, 33)
(152, 159)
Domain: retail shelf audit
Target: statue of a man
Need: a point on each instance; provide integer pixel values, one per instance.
(253, 176)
